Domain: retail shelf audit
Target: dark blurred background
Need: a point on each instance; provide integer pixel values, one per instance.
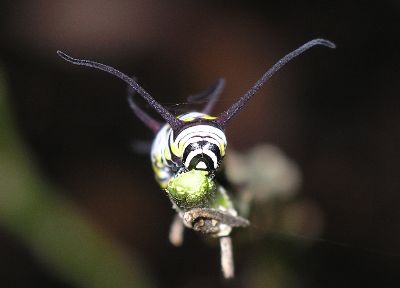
(334, 112)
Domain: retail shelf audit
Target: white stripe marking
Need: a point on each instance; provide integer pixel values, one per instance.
(212, 156)
(191, 155)
(201, 165)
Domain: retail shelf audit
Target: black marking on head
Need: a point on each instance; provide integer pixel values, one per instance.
(197, 160)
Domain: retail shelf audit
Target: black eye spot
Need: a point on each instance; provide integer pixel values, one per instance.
(201, 162)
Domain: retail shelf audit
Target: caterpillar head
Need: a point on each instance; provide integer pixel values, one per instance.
(200, 143)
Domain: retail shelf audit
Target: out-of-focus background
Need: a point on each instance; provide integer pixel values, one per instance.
(79, 208)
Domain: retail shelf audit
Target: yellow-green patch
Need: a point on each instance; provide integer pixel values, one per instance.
(192, 189)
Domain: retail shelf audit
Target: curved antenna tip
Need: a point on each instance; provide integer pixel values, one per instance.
(62, 54)
(324, 42)
(66, 57)
(168, 117)
(225, 116)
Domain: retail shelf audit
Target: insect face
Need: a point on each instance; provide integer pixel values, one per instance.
(200, 145)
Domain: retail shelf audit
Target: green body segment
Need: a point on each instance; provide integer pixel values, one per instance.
(222, 201)
(192, 189)
(197, 189)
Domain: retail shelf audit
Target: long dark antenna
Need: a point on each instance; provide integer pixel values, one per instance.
(174, 122)
(225, 116)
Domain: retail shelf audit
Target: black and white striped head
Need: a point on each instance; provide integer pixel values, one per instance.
(200, 144)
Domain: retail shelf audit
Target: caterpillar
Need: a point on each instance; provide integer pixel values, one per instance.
(187, 153)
